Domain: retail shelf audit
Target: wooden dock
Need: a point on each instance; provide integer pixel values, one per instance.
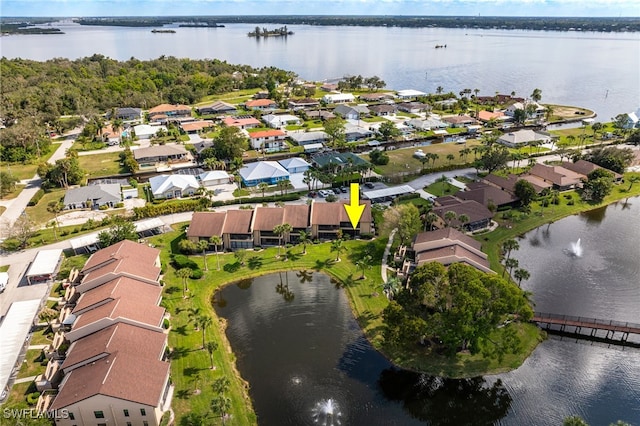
(575, 325)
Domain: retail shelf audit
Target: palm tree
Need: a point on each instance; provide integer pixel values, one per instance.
(220, 406)
(632, 180)
(211, 348)
(216, 240)
(55, 207)
(511, 263)
(463, 219)
(392, 287)
(521, 274)
(184, 273)
(202, 246)
(571, 139)
(281, 231)
(450, 216)
(444, 180)
(204, 321)
(509, 245)
(424, 160)
(434, 158)
(262, 186)
(304, 239)
(212, 163)
(338, 247)
(365, 263)
(450, 158)
(429, 219)
(439, 90)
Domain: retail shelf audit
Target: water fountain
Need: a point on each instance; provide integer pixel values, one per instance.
(326, 413)
(576, 248)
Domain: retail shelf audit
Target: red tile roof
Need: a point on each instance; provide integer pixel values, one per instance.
(266, 134)
(162, 108)
(239, 122)
(259, 103)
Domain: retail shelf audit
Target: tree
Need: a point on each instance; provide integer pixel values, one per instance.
(596, 127)
(525, 192)
(185, 274)
(364, 263)
(405, 218)
(216, 240)
(599, 184)
(494, 158)
(507, 247)
(379, 157)
(220, 406)
(7, 183)
(450, 216)
(521, 274)
(48, 315)
(212, 163)
(612, 158)
(55, 207)
(338, 247)
(450, 158)
(262, 186)
(632, 179)
(463, 219)
(240, 255)
(334, 128)
(519, 116)
(574, 421)
(204, 321)
(211, 348)
(388, 130)
(444, 180)
(304, 239)
(120, 230)
(66, 171)
(429, 220)
(281, 230)
(230, 143)
(392, 287)
(536, 95)
(510, 264)
(202, 246)
(187, 246)
(22, 229)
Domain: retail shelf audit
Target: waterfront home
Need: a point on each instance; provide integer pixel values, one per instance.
(375, 97)
(459, 120)
(584, 167)
(508, 184)
(338, 98)
(413, 107)
(218, 107)
(92, 196)
(126, 114)
(173, 186)
(536, 112)
(297, 104)
(278, 121)
(268, 140)
(487, 116)
(145, 131)
(409, 94)
(383, 110)
(523, 138)
(353, 132)
(426, 125)
(169, 153)
(631, 120)
(204, 225)
(479, 216)
(295, 165)
(307, 138)
(214, 178)
(242, 122)
(169, 111)
(236, 231)
(327, 220)
(261, 104)
(447, 103)
(337, 160)
(487, 195)
(445, 246)
(329, 87)
(270, 172)
(562, 179)
(497, 99)
(194, 127)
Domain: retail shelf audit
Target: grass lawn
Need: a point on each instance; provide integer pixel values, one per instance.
(295, 127)
(374, 119)
(39, 337)
(39, 213)
(13, 194)
(2, 209)
(402, 160)
(258, 129)
(88, 146)
(440, 189)
(528, 150)
(106, 164)
(32, 366)
(230, 97)
(27, 171)
(4, 268)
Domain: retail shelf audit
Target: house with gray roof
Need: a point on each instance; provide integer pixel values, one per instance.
(523, 138)
(307, 138)
(295, 165)
(351, 112)
(218, 107)
(270, 172)
(92, 196)
(173, 186)
(126, 114)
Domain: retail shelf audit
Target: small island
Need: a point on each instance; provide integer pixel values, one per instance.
(27, 28)
(164, 31)
(278, 32)
(201, 25)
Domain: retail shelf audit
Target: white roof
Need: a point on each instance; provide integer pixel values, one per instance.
(13, 331)
(145, 130)
(308, 136)
(279, 119)
(45, 263)
(263, 170)
(339, 97)
(84, 241)
(163, 183)
(388, 192)
(213, 175)
(408, 93)
(146, 224)
(440, 132)
(313, 146)
(4, 278)
(295, 162)
(522, 137)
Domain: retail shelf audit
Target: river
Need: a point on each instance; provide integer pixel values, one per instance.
(598, 71)
(305, 354)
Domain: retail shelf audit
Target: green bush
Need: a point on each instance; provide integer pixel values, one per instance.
(32, 398)
(165, 323)
(103, 207)
(169, 207)
(119, 205)
(11, 244)
(181, 261)
(197, 273)
(36, 197)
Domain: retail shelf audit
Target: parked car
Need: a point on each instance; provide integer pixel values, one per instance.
(343, 189)
(324, 193)
(312, 194)
(370, 185)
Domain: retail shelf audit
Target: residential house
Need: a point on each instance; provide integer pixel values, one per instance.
(202, 145)
(270, 172)
(338, 98)
(307, 138)
(217, 107)
(347, 112)
(126, 114)
(409, 94)
(354, 132)
(329, 87)
(264, 220)
(487, 116)
(204, 225)
(328, 219)
(524, 137)
(487, 195)
(425, 125)
(537, 110)
(497, 99)
(92, 196)
(413, 107)
(236, 231)
(562, 179)
(165, 111)
(319, 115)
(297, 104)
(337, 160)
(268, 140)
(295, 165)
(631, 120)
(261, 104)
(297, 215)
(278, 121)
(584, 167)
(173, 186)
(375, 97)
(194, 127)
(383, 110)
(445, 246)
(152, 155)
(312, 148)
(508, 184)
(479, 216)
(459, 120)
(447, 103)
(110, 136)
(214, 178)
(242, 122)
(146, 131)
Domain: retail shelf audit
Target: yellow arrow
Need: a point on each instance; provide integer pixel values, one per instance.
(355, 209)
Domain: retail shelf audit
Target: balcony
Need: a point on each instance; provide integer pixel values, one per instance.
(59, 341)
(51, 376)
(45, 400)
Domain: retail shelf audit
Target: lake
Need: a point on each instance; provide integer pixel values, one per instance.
(594, 70)
(304, 355)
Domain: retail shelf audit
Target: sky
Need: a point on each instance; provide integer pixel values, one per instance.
(75, 8)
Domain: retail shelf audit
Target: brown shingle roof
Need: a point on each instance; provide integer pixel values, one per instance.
(334, 213)
(159, 151)
(123, 257)
(124, 308)
(459, 253)
(555, 174)
(297, 215)
(162, 108)
(206, 224)
(121, 337)
(448, 234)
(259, 103)
(121, 287)
(474, 210)
(238, 222)
(267, 218)
(584, 167)
(486, 194)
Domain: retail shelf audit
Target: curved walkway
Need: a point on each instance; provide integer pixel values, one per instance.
(385, 256)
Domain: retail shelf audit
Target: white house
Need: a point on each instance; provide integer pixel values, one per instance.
(92, 196)
(145, 131)
(338, 98)
(173, 186)
(523, 137)
(278, 121)
(295, 165)
(631, 120)
(268, 140)
(409, 94)
(214, 177)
